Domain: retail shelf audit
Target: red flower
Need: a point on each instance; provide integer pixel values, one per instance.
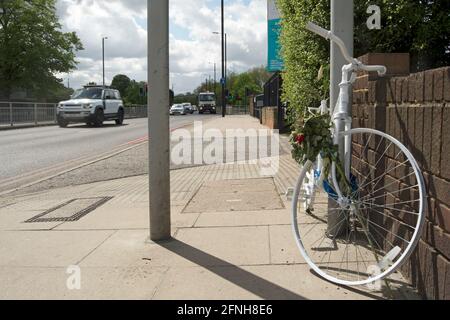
(299, 139)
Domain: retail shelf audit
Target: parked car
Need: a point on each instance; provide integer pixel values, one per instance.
(92, 105)
(178, 109)
(189, 108)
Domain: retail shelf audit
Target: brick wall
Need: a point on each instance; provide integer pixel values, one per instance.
(415, 109)
(270, 117)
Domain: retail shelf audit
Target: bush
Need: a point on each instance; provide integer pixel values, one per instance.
(420, 27)
(304, 54)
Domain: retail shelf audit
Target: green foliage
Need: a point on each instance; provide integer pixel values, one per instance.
(304, 54)
(59, 93)
(314, 139)
(188, 97)
(132, 93)
(420, 27)
(253, 79)
(33, 48)
(121, 82)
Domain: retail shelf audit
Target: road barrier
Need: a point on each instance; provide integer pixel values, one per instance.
(14, 114)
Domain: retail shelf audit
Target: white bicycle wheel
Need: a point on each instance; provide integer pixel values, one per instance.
(369, 233)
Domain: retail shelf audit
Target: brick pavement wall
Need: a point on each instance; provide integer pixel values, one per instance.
(415, 109)
(270, 117)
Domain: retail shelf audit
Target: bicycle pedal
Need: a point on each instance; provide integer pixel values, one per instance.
(388, 260)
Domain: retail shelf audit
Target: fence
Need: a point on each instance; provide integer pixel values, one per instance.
(136, 111)
(33, 114)
(235, 110)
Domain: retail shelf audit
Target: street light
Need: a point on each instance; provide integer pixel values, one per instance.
(226, 54)
(103, 58)
(224, 78)
(204, 78)
(215, 78)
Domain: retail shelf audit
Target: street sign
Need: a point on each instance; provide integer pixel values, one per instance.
(274, 60)
(222, 81)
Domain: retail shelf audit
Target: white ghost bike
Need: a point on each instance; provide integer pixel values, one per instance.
(364, 233)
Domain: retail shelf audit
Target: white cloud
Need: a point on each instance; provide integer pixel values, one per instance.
(192, 42)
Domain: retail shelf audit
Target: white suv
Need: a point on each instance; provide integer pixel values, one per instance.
(91, 105)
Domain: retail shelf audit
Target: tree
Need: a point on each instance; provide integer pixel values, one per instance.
(133, 93)
(237, 83)
(32, 46)
(420, 27)
(59, 93)
(121, 82)
(244, 83)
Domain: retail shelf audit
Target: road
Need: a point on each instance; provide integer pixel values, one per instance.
(33, 153)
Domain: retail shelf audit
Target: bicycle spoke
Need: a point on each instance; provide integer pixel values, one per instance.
(392, 208)
(391, 193)
(380, 157)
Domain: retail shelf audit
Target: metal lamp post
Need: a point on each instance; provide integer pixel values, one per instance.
(215, 77)
(103, 58)
(224, 65)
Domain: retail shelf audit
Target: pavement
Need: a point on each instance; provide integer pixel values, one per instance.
(231, 231)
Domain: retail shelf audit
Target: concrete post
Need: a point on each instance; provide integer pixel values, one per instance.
(159, 132)
(342, 24)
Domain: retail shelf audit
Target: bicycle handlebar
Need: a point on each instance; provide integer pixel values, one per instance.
(338, 41)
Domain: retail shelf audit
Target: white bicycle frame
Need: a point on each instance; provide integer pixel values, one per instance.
(341, 119)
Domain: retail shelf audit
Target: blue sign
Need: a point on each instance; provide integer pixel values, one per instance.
(275, 61)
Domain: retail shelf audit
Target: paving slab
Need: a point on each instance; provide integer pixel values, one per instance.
(248, 218)
(15, 220)
(236, 195)
(209, 246)
(121, 217)
(253, 282)
(48, 248)
(132, 283)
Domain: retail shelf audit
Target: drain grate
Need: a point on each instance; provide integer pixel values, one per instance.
(70, 211)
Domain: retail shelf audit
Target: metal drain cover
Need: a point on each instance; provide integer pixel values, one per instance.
(70, 211)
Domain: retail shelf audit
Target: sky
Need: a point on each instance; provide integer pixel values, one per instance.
(193, 46)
